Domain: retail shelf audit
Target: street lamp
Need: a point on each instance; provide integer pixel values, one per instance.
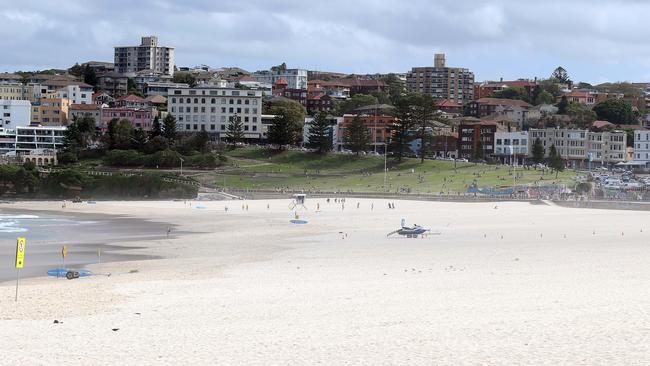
(181, 159)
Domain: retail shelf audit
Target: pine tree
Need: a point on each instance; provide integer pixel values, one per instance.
(555, 160)
(538, 151)
(284, 131)
(169, 128)
(357, 137)
(156, 128)
(235, 130)
(319, 134)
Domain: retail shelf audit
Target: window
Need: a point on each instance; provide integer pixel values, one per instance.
(196, 127)
(238, 110)
(203, 100)
(223, 109)
(246, 128)
(173, 100)
(188, 100)
(223, 127)
(231, 110)
(187, 126)
(254, 128)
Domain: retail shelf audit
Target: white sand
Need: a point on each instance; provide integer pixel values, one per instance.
(248, 288)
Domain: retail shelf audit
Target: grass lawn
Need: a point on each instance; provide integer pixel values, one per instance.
(267, 169)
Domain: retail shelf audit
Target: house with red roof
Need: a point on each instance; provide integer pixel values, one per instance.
(131, 101)
(449, 106)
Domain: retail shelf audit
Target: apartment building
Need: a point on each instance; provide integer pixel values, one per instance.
(15, 113)
(442, 82)
(209, 109)
(15, 91)
(581, 146)
(52, 110)
(37, 144)
(76, 92)
(642, 146)
(139, 117)
(113, 83)
(474, 136)
(295, 78)
(148, 55)
(509, 146)
(93, 111)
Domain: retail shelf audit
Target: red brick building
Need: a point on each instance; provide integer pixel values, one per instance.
(470, 135)
(379, 127)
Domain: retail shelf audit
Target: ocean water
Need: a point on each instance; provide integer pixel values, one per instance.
(88, 238)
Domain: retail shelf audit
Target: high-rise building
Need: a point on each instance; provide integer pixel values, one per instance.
(442, 82)
(147, 56)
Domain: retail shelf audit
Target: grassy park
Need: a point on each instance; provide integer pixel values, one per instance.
(256, 168)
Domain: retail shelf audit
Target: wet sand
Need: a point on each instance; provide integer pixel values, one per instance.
(90, 239)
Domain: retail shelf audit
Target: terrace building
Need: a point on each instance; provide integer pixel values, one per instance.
(579, 147)
(295, 78)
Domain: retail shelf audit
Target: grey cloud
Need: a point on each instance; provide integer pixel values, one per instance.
(351, 36)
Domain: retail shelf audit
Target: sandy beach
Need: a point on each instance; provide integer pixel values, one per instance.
(499, 284)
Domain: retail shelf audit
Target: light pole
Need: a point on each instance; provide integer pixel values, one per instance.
(385, 167)
(181, 159)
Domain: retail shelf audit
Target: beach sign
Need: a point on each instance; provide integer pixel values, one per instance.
(20, 252)
(64, 251)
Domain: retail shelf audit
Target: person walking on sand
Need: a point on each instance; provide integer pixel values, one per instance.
(169, 230)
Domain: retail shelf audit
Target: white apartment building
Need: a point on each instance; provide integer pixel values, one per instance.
(15, 113)
(296, 78)
(147, 56)
(31, 140)
(507, 144)
(77, 93)
(209, 109)
(642, 146)
(581, 146)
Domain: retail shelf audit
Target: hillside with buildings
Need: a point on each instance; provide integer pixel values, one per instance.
(432, 112)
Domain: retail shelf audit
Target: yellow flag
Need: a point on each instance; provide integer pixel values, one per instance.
(20, 252)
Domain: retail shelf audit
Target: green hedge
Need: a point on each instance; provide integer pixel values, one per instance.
(161, 159)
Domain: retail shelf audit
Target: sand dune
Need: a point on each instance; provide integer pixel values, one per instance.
(516, 284)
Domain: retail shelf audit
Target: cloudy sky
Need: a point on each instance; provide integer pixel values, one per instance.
(595, 40)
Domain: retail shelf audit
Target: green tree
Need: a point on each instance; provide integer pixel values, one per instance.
(561, 75)
(156, 128)
(120, 133)
(235, 130)
(351, 105)
(616, 111)
(201, 142)
(513, 92)
(424, 109)
(132, 87)
(357, 137)
(581, 115)
(555, 160)
(140, 139)
(89, 76)
(396, 87)
(169, 128)
(401, 129)
(320, 137)
(184, 78)
(285, 129)
(538, 151)
(563, 105)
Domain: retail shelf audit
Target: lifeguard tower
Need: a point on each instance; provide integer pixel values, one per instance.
(298, 200)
